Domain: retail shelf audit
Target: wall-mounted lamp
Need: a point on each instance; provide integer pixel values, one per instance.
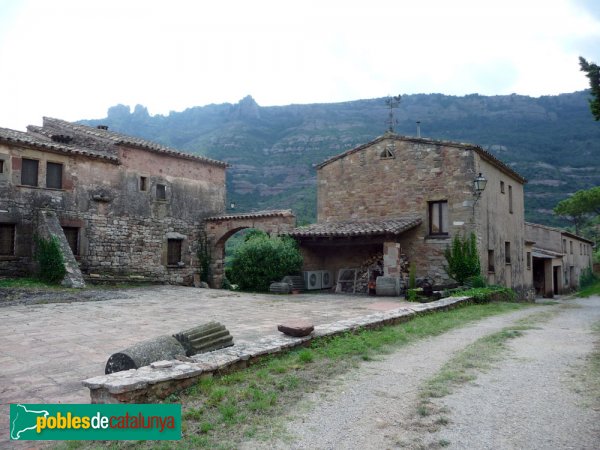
(479, 184)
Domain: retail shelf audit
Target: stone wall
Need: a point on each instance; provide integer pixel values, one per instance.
(395, 176)
(123, 230)
(498, 223)
(365, 185)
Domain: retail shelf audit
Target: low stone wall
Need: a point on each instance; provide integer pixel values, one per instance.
(159, 380)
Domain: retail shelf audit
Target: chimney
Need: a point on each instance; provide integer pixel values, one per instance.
(418, 128)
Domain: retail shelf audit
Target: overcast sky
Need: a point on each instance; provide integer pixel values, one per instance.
(73, 59)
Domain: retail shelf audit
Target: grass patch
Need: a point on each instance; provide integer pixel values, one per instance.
(221, 412)
(26, 283)
(588, 291)
(464, 367)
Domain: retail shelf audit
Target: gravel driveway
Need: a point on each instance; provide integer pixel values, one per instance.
(528, 400)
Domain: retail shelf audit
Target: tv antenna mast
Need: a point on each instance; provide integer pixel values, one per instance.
(392, 103)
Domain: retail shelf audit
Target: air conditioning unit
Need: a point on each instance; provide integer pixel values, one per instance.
(312, 279)
(327, 279)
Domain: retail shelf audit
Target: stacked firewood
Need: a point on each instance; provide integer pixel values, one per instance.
(371, 265)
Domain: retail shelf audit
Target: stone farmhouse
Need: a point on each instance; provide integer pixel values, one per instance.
(401, 199)
(556, 258)
(123, 207)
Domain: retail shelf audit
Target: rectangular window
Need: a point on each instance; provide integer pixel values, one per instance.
(438, 218)
(161, 192)
(29, 172)
(565, 246)
(491, 267)
(143, 184)
(507, 252)
(7, 239)
(580, 249)
(54, 173)
(510, 200)
(1, 166)
(571, 246)
(502, 187)
(528, 260)
(72, 235)
(173, 251)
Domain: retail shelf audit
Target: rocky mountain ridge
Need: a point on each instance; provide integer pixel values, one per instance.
(552, 140)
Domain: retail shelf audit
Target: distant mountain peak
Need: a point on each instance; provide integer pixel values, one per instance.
(246, 108)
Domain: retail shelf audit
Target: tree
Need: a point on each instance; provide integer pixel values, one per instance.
(592, 71)
(579, 207)
(463, 258)
(261, 260)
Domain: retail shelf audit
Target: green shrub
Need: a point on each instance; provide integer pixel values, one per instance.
(412, 276)
(476, 281)
(50, 259)
(261, 260)
(463, 258)
(413, 294)
(587, 278)
(487, 294)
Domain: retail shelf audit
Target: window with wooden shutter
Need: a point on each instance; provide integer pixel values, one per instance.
(54, 173)
(29, 172)
(72, 235)
(438, 218)
(161, 192)
(7, 239)
(173, 251)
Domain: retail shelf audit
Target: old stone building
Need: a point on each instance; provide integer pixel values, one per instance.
(405, 198)
(128, 208)
(556, 259)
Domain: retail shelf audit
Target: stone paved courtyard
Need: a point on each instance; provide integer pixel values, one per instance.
(48, 349)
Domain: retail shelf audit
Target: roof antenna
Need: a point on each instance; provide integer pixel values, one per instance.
(393, 103)
(418, 128)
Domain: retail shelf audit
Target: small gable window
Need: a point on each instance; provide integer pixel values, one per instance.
(387, 153)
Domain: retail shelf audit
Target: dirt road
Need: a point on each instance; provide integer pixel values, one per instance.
(534, 398)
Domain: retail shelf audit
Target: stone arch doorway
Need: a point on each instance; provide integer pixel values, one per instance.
(220, 228)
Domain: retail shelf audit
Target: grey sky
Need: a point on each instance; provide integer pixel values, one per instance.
(73, 59)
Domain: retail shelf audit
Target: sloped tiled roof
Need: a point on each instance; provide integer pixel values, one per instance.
(483, 153)
(123, 139)
(357, 228)
(254, 215)
(18, 137)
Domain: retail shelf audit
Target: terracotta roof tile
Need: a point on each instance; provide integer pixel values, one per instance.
(30, 140)
(357, 228)
(123, 139)
(254, 215)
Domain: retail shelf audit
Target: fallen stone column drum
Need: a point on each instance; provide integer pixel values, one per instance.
(145, 353)
(200, 339)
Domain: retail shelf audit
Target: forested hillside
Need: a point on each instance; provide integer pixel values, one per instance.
(553, 141)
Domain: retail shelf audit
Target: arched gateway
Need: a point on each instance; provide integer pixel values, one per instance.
(220, 228)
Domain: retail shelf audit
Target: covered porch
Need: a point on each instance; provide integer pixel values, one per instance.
(358, 251)
(547, 272)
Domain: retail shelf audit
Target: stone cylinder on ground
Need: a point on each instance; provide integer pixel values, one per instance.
(204, 338)
(145, 353)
